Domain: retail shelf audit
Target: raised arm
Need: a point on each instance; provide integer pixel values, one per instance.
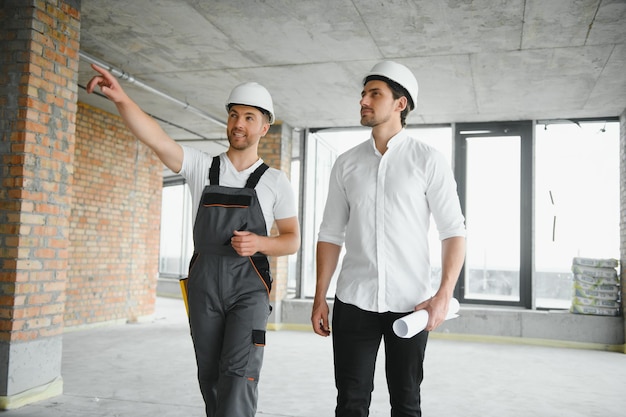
(144, 127)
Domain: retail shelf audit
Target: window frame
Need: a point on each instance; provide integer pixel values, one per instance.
(525, 130)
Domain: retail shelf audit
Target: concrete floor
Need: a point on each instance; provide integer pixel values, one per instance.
(148, 369)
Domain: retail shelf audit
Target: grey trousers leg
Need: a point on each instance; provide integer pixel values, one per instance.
(228, 309)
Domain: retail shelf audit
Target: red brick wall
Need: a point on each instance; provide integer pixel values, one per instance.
(38, 64)
(114, 224)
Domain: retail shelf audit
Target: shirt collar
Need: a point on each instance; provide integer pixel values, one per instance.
(394, 141)
(245, 171)
(397, 139)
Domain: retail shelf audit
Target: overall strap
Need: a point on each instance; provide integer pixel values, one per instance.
(254, 178)
(214, 172)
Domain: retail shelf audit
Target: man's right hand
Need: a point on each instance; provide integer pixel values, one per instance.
(319, 318)
(108, 84)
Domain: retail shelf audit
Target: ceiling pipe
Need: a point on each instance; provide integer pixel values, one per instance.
(129, 78)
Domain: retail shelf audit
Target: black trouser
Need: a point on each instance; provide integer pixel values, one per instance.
(356, 339)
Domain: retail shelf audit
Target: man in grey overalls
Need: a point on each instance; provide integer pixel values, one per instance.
(228, 296)
(236, 199)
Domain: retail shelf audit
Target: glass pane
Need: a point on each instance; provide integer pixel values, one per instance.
(325, 154)
(493, 219)
(176, 244)
(292, 259)
(171, 228)
(576, 203)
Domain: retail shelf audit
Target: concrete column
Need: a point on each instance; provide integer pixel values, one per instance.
(39, 41)
(622, 170)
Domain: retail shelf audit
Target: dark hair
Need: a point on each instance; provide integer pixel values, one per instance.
(397, 91)
(264, 112)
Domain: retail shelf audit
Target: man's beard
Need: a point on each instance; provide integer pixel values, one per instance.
(237, 143)
(372, 121)
(368, 121)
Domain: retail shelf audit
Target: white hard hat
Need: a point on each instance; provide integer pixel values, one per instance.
(399, 74)
(252, 94)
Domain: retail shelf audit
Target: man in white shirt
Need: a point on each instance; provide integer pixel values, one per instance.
(237, 198)
(381, 195)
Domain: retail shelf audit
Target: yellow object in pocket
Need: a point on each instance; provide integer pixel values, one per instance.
(183, 290)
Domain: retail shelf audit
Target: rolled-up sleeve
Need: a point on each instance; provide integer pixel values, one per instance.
(443, 199)
(336, 212)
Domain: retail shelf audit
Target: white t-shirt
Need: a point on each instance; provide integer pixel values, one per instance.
(274, 191)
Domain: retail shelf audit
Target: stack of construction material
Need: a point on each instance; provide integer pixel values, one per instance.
(596, 287)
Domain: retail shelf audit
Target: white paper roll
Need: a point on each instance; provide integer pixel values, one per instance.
(411, 324)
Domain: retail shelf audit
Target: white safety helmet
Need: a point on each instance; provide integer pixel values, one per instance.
(399, 74)
(252, 94)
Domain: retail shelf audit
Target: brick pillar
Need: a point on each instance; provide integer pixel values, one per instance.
(622, 169)
(38, 83)
(275, 150)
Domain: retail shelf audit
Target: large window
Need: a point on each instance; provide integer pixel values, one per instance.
(576, 202)
(534, 199)
(493, 165)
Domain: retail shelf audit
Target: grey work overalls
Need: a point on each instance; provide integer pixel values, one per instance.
(228, 297)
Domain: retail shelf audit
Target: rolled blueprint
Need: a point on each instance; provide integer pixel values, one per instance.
(411, 324)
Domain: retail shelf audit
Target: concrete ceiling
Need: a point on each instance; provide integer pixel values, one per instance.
(480, 60)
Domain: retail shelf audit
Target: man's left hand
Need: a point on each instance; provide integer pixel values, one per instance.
(245, 243)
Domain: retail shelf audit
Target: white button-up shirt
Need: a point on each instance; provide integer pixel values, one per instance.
(380, 206)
